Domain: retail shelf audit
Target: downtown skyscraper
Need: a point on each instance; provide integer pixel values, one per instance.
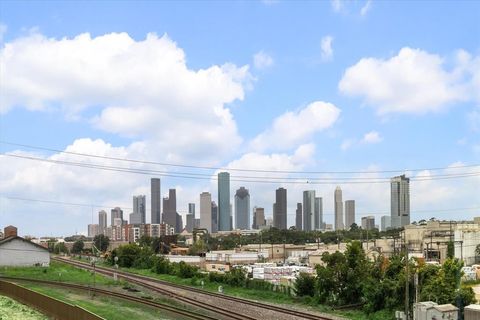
(206, 211)
(242, 209)
(138, 215)
(170, 214)
(102, 221)
(224, 215)
(155, 201)
(280, 209)
(338, 203)
(318, 214)
(349, 213)
(298, 217)
(308, 210)
(399, 201)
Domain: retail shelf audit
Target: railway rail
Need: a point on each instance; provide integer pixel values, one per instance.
(156, 305)
(143, 281)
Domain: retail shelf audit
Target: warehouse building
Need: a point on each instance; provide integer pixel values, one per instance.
(17, 251)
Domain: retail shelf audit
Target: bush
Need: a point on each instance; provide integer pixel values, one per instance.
(217, 277)
(304, 285)
(186, 271)
(236, 277)
(161, 266)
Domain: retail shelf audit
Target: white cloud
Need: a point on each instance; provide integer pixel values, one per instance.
(142, 89)
(327, 50)
(366, 7)
(262, 60)
(372, 137)
(337, 5)
(414, 81)
(347, 144)
(295, 127)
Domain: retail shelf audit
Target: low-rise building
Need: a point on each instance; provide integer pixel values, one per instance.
(19, 252)
(429, 310)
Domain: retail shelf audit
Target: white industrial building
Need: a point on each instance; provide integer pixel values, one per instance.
(17, 251)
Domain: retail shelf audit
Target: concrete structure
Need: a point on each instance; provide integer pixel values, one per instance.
(214, 217)
(155, 201)
(116, 213)
(170, 215)
(102, 221)
(349, 213)
(385, 223)
(429, 310)
(242, 209)
(139, 205)
(280, 209)
(10, 231)
(368, 223)
(258, 218)
(338, 202)
(400, 201)
(308, 210)
(190, 217)
(472, 312)
(93, 230)
(224, 212)
(206, 211)
(18, 252)
(318, 214)
(298, 217)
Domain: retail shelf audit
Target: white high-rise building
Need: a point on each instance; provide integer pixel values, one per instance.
(386, 223)
(368, 223)
(338, 209)
(349, 213)
(400, 201)
(206, 211)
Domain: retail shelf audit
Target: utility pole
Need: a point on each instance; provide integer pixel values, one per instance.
(407, 297)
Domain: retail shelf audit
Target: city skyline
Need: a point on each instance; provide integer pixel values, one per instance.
(288, 101)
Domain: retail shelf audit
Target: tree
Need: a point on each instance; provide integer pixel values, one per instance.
(304, 285)
(145, 241)
(450, 250)
(60, 248)
(126, 254)
(78, 246)
(101, 242)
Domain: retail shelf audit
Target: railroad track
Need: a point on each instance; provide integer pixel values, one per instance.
(139, 279)
(156, 305)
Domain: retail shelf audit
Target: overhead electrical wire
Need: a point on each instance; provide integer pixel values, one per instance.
(297, 180)
(232, 169)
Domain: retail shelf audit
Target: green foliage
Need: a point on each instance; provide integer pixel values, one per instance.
(78, 246)
(450, 250)
(145, 241)
(304, 285)
(101, 242)
(144, 259)
(162, 266)
(60, 248)
(186, 271)
(198, 247)
(126, 255)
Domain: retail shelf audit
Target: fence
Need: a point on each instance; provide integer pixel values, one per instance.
(50, 306)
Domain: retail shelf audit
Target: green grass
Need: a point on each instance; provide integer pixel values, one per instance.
(12, 310)
(106, 307)
(56, 272)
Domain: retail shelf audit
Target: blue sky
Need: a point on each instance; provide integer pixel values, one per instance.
(397, 86)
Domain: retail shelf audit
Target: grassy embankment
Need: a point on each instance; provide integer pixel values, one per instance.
(109, 308)
(12, 310)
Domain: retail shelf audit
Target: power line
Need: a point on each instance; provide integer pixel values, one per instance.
(231, 169)
(250, 180)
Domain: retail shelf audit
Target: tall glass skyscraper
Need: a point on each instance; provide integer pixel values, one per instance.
(308, 210)
(206, 211)
(224, 219)
(338, 209)
(242, 209)
(280, 209)
(318, 216)
(349, 213)
(400, 201)
(155, 200)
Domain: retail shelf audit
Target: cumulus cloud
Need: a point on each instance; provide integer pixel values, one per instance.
(262, 60)
(366, 7)
(142, 89)
(372, 137)
(337, 5)
(295, 127)
(326, 46)
(414, 81)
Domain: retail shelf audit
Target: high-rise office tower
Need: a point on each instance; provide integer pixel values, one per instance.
(280, 209)
(258, 218)
(368, 223)
(214, 217)
(138, 215)
(318, 216)
(224, 215)
(170, 214)
(338, 209)
(206, 211)
(400, 201)
(308, 210)
(242, 209)
(385, 223)
(155, 200)
(116, 213)
(349, 213)
(298, 217)
(190, 217)
(102, 221)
